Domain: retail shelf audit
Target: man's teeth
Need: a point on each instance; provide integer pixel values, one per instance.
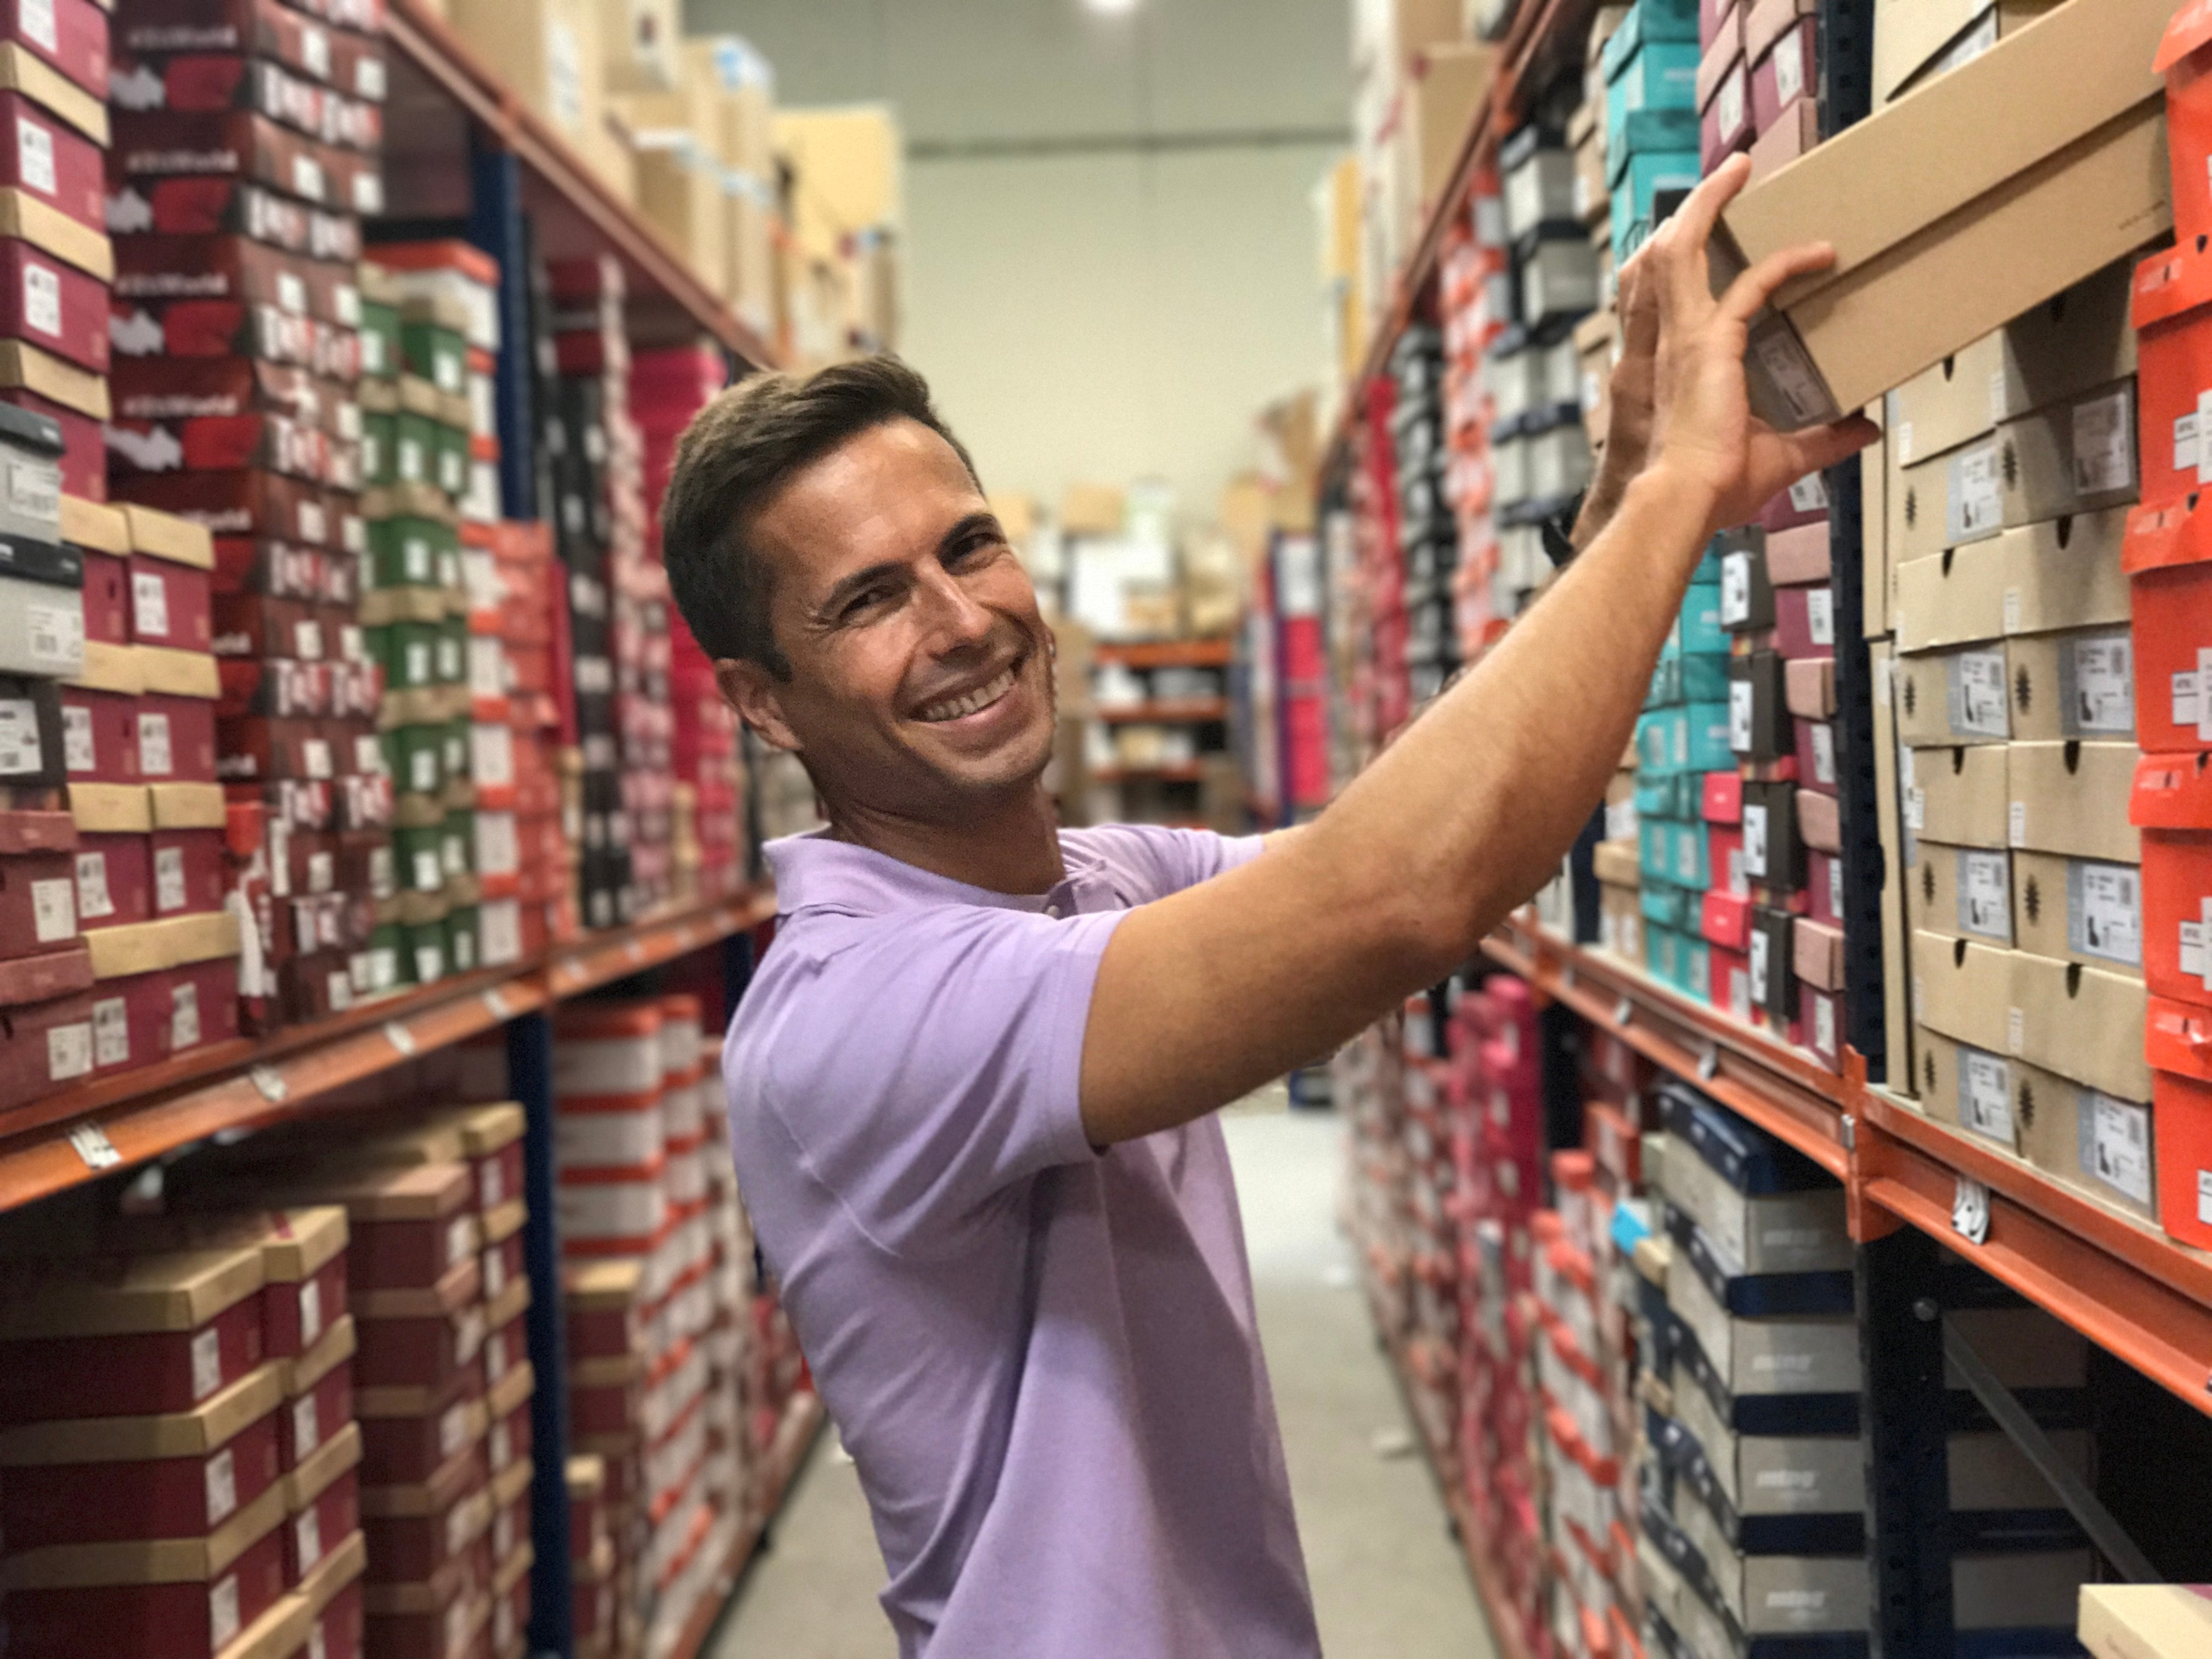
(981, 698)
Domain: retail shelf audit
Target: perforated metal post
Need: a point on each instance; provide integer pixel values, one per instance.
(552, 1590)
(1907, 1465)
(497, 226)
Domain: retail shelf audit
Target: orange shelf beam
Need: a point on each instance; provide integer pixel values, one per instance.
(114, 1122)
(1784, 1090)
(1180, 711)
(1164, 653)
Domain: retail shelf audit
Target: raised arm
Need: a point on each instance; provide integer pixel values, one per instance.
(1204, 995)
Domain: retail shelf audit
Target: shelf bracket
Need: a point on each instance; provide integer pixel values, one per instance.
(530, 1080)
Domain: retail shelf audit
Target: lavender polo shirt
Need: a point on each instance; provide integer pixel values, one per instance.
(1042, 1358)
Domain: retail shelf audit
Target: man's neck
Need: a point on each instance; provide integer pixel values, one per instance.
(1009, 847)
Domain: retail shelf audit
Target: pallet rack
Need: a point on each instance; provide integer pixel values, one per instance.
(1913, 1183)
(467, 156)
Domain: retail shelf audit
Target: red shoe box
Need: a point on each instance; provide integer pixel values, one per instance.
(53, 305)
(113, 1336)
(176, 739)
(323, 1499)
(506, 1442)
(1783, 75)
(193, 1610)
(1805, 621)
(51, 162)
(506, 1345)
(214, 443)
(71, 34)
(319, 1394)
(333, 1595)
(119, 1480)
(349, 61)
(420, 1350)
(132, 1021)
(2176, 1042)
(203, 1003)
(1823, 884)
(190, 872)
(250, 503)
(403, 1449)
(171, 604)
(414, 1532)
(1725, 919)
(2171, 800)
(1724, 858)
(2187, 66)
(106, 598)
(38, 883)
(303, 1264)
(163, 145)
(115, 887)
(204, 82)
(1816, 756)
(223, 205)
(223, 329)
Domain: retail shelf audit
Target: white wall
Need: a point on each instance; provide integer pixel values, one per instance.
(1111, 249)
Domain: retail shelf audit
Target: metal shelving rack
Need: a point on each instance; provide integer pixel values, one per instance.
(462, 148)
(2116, 1278)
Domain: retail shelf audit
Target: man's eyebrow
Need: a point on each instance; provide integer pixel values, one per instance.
(974, 524)
(855, 583)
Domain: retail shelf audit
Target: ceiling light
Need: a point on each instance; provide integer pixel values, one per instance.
(1111, 7)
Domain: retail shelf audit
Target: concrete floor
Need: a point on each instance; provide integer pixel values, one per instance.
(1387, 1579)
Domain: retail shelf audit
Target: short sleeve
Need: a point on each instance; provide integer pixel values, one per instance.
(1167, 860)
(931, 1063)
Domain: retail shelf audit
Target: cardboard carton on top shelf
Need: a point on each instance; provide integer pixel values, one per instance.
(2078, 682)
(1442, 97)
(2060, 574)
(1950, 402)
(2051, 144)
(1963, 990)
(2081, 1023)
(551, 53)
(1915, 40)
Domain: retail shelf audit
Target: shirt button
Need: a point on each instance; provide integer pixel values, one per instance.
(1053, 910)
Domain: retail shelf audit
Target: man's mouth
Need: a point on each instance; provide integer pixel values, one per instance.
(974, 702)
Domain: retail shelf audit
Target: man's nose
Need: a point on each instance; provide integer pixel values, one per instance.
(956, 617)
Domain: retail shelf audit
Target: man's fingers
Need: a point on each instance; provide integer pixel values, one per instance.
(1750, 292)
(1691, 226)
(1639, 307)
(1817, 447)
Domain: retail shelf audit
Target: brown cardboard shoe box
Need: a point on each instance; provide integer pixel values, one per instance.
(1957, 794)
(2084, 910)
(1963, 990)
(1895, 843)
(2078, 340)
(1949, 402)
(1967, 1086)
(1915, 40)
(2072, 798)
(2094, 1142)
(2072, 457)
(2082, 1023)
(1953, 210)
(2033, 579)
(2079, 683)
(1964, 892)
(1950, 698)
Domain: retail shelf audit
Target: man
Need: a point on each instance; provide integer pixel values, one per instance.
(969, 1087)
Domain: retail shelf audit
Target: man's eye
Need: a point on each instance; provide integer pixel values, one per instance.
(863, 602)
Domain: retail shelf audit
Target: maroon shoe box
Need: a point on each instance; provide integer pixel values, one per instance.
(51, 160)
(420, 1350)
(131, 1019)
(339, 1628)
(121, 1479)
(322, 1495)
(251, 503)
(115, 885)
(414, 1532)
(506, 1439)
(171, 604)
(71, 34)
(163, 144)
(32, 752)
(510, 1510)
(154, 1607)
(174, 389)
(341, 57)
(176, 738)
(53, 305)
(319, 1394)
(144, 329)
(106, 598)
(189, 871)
(408, 1449)
(202, 1003)
(224, 204)
(45, 1046)
(284, 570)
(38, 883)
(206, 82)
(127, 1335)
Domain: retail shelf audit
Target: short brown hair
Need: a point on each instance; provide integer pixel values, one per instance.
(734, 458)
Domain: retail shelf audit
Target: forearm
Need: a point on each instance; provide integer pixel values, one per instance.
(1473, 807)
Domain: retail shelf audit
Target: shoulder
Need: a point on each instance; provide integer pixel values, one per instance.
(1150, 861)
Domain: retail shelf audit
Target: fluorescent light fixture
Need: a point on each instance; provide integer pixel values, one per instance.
(1111, 7)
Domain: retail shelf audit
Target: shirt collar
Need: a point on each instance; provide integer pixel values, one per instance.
(814, 869)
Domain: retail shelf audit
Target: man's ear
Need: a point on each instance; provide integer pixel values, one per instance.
(754, 693)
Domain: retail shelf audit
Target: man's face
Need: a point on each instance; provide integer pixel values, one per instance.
(922, 674)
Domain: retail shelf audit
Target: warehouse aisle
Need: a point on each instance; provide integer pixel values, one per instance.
(1388, 1582)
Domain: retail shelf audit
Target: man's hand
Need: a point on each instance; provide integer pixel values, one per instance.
(1704, 435)
(1628, 418)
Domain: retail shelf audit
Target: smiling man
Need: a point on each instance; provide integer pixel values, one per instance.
(970, 1086)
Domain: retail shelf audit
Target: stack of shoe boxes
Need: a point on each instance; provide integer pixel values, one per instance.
(1586, 138)
(444, 288)
(1757, 82)
(1650, 69)
(730, 1463)
(2014, 685)
(1428, 533)
(590, 362)
(1753, 1501)
(1681, 737)
(417, 610)
(1497, 1129)
(180, 1462)
(140, 731)
(244, 156)
(1477, 306)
